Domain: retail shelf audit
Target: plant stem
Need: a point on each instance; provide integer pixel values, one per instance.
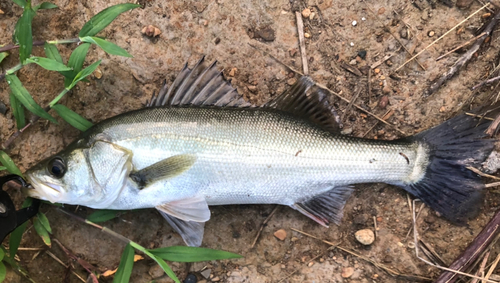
(55, 100)
(64, 41)
(11, 71)
(40, 43)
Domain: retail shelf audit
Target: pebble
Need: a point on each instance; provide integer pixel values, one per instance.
(382, 77)
(252, 88)
(232, 72)
(362, 54)
(347, 272)
(346, 131)
(386, 89)
(310, 264)
(280, 234)
(354, 23)
(431, 33)
(206, 273)
(312, 16)
(151, 31)
(383, 101)
(291, 81)
(98, 73)
(1, 12)
(191, 278)
(353, 62)
(381, 11)
(365, 236)
(306, 13)
(216, 279)
(403, 33)
(376, 71)
(307, 35)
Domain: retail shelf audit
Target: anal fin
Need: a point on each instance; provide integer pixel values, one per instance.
(326, 207)
(190, 231)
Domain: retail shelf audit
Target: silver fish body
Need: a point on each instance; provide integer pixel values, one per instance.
(204, 146)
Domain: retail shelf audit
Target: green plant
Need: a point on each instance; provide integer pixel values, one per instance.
(73, 72)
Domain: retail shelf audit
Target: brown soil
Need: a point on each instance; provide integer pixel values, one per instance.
(223, 30)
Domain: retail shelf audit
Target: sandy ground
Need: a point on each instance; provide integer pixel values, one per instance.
(224, 30)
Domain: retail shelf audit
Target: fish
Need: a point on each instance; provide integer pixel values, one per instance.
(198, 143)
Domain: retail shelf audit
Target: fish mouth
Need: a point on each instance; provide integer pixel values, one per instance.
(42, 190)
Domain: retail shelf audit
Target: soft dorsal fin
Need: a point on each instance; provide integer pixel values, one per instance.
(201, 86)
(307, 100)
(204, 85)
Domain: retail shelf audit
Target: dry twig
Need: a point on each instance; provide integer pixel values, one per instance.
(302, 44)
(264, 225)
(460, 46)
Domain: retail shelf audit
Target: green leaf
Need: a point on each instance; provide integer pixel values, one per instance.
(52, 53)
(103, 215)
(84, 73)
(3, 168)
(3, 55)
(6, 161)
(44, 221)
(158, 260)
(191, 254)
(44, 5)
(18, 111)
(17, 235)
(21, 3)
(104, 18)
(107, 46)
(25, 98)
(2, 254)
(3, 272)
(41, 231)
(73, 118)
(125, 268)
(24, 35)
(76, 61)
(48, 64)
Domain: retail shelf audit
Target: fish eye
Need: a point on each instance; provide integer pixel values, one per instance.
(57, 167)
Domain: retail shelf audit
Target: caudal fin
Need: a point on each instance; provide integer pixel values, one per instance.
(448, 186)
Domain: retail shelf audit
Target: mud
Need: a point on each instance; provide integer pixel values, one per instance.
(225, 31)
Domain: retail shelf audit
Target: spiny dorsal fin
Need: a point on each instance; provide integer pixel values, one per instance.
(204, 85)
(201, 86)
(307, 100)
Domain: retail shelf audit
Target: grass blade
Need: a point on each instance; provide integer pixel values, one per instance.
(17, 111)
(84, 73)
(48, 64)
(191, 254)
(124, 271)
(158, 260)
(21, 3)
(17, 235)
(3, 272)
(52, 52)
(24, 35)
(44, 221)
(45, 5)
(3, 55)
(73, 118)
(104, 18)
(6, 161)
(107, 46)
(3, 168)
(76, 61)
(25, 98)
(103, 215)
(41, 231)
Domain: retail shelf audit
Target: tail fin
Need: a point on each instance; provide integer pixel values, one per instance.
(448, 186)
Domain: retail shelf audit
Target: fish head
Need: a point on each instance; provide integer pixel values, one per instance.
(92, 176)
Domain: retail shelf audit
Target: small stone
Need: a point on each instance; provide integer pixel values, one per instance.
(381, 11)
(425, 16)
(365, 237)
(307, 35)
(310, 264)
(353, 62)
(1, 12)
(252, 88)
(191, 278)
(362, 54)
(321, 260)
(98, 73)
(266, 34)
(346, 131)
(206, 273)
(382, 77)
(352, 44)
(151, 31)
(386, 89)
(312, 16)
(347, 272)
(232, 72)
(217, 40)
(283, 266)
(280, 234)
(431, 33)
(388, 259)
(306, 13)
(376, 71)
(442, 109)
(354, 23)
(403, 33)
(363, 19)
(486, 15)
(291, 81)
(294, 239)
(216, 279)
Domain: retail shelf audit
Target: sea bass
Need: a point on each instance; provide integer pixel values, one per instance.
(200, 144)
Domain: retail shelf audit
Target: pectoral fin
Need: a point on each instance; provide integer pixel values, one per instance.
(187, 217)
(164, 169)
(326, 207)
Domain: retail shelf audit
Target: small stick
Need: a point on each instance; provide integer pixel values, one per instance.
(478, 116)
(350, 104)
(492, 268)
(263, 225)
(460, 46)
(480, 173)
(481, 268)
(465, 58)
(300, 29)
(65, 265)
(491, 185)
(441, 37)
(435, 255)
(375, 226)
(30, 249)
(89, 267)
(486, 82)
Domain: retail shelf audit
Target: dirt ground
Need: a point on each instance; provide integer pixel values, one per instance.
(341, 35)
